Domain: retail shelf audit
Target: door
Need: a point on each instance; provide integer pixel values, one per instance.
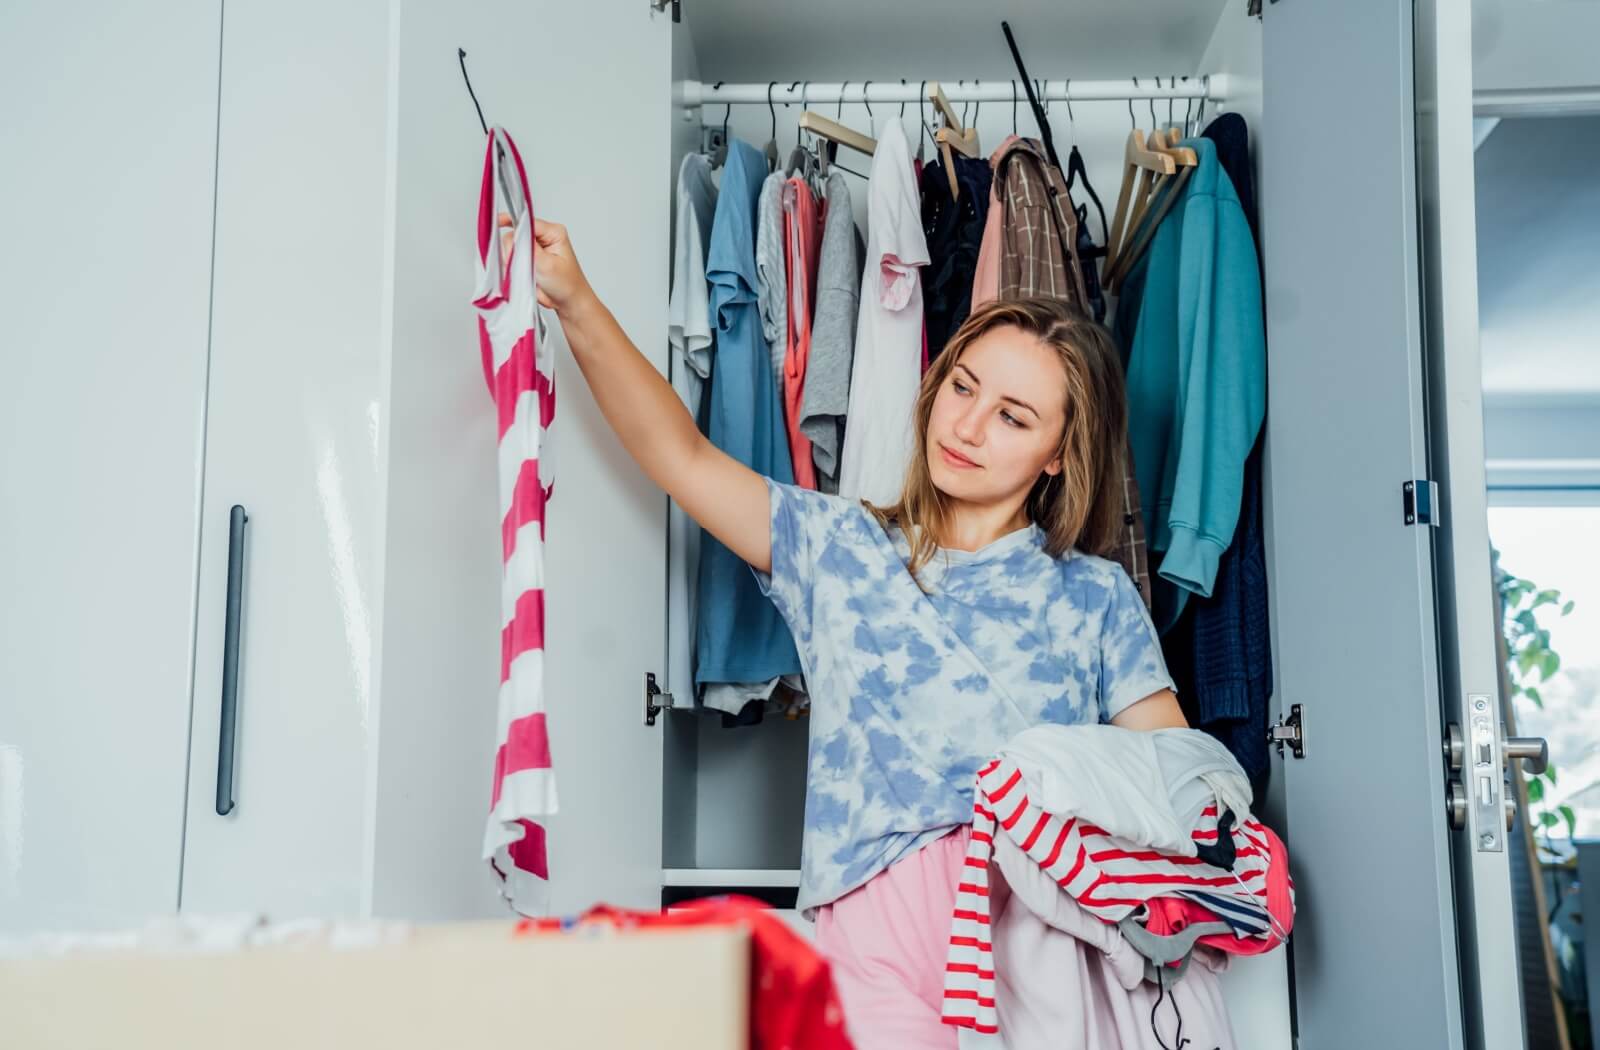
(1468, 613)
(296, 394)
(587, 91)
(106, 207)
(349, 418)
(1375, 956)
(583, 89)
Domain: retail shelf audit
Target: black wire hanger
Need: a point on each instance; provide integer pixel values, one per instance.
(500, 151)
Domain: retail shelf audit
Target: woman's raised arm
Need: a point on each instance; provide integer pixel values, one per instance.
(726, 497)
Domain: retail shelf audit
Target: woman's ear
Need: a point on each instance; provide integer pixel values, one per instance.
(1053, 467)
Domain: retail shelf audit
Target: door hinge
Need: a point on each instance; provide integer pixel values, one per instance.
(1291, 731)
(655, 701)
(662, 5)
(1420, 500)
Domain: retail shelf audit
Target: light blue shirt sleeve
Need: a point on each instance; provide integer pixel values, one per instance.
(803, 525)
(1221, 386)
(1131, 664)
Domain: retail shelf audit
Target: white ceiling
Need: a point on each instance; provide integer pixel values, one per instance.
(1538, 204)
(762, 40)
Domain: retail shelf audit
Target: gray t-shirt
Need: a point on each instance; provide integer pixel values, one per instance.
(826, 396)
(772, 289)
(912, 691)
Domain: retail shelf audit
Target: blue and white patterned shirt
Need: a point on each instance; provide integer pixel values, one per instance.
(912, 692)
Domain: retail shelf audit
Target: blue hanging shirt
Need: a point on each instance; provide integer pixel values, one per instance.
(1196, 380)
(739, 636)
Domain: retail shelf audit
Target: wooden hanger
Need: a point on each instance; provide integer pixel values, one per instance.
(833, 131)
(942, 104)
(1136, 159)
(1186, 161)
(952, 137)
(1167, 142)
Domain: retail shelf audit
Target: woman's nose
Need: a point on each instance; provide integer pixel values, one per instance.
(969, 427)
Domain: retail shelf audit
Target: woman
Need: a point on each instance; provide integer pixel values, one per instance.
(932, 631)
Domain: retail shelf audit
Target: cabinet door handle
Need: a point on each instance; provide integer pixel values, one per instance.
(237, 519)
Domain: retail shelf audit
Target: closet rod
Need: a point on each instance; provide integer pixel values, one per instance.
(691, 93)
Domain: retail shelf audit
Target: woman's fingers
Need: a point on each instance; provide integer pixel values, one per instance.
(549, 234)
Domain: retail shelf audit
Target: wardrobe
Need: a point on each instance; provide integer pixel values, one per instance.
(239, 274)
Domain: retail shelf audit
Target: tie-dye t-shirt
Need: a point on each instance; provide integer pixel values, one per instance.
(911, 692)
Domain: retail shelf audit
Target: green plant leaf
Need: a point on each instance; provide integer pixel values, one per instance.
(1525, 660)
(1571, 818)
(1548, 819)
(1549, 664)
(1549, 774)
(1567, 608)
(1546, 598)
(1535, 790)
(1526, 619)
(1533, 694)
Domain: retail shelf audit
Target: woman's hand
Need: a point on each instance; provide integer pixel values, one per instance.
(562, 284)
(723, 495)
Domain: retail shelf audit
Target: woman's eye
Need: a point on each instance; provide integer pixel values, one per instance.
(959, 387)
(1010, 419)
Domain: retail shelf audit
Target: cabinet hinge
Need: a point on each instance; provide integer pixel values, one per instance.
(1419, 502)
(655, 701)
(662, 5)
(1291, 731)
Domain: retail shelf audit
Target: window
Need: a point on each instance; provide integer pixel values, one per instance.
(1556, 548)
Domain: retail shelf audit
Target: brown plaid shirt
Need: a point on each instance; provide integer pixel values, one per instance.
(1039, 257)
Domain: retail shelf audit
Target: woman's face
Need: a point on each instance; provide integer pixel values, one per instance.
(997, 420)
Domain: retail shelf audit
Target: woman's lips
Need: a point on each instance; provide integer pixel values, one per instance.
(955, 459)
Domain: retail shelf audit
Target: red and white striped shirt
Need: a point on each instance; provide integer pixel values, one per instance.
(1109, 877)
(518, 366)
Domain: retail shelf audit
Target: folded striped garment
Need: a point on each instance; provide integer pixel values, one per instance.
(1110, 877)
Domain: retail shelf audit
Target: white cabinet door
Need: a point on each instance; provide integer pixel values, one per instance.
(584, 89)
(349, 417)
(296, 387)
(105, 253)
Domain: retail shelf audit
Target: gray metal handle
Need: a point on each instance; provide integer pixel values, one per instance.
(1533, 750)
(237, 519)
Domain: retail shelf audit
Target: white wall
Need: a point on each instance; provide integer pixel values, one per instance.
(1538, 212)
(946, 39)
(1534, 44)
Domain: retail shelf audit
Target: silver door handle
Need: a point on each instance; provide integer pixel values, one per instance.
(1455, 805)
(1534, 751)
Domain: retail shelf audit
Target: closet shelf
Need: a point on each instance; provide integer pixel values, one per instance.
(731, 878)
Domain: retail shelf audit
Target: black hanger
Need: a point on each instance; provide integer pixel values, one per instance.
(1075, 168)
(461, 56)
(1033, 101)
(720, 157)
(771, 151)
(500, 151)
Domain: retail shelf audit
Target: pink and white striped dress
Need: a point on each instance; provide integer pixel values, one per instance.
(519, 368)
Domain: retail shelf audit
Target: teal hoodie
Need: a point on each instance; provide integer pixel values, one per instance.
(1196, 381)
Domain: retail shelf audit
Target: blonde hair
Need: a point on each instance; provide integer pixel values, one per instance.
(1080, 507)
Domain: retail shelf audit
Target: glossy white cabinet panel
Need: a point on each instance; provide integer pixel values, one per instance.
(594, 163)
(296, 390)
(105, 252)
